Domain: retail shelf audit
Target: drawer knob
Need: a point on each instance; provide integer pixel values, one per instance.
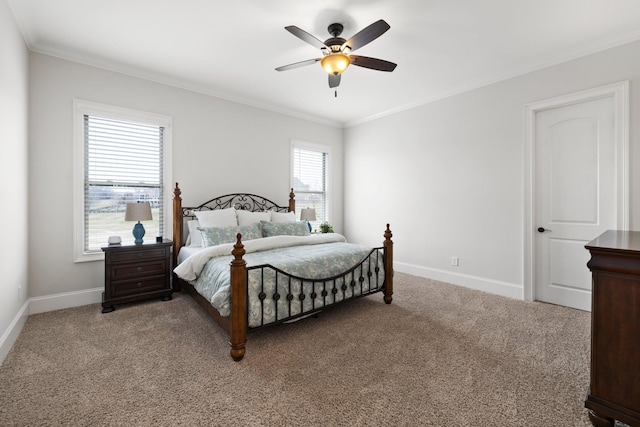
(139, 284)
(139, 254)
(139, 268)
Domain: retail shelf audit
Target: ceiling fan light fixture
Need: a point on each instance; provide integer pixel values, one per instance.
(335, 63)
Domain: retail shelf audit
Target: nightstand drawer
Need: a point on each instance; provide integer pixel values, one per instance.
(128, 271)
(139, 255)
(132, 287)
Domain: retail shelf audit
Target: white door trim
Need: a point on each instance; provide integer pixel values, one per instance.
(620, 93)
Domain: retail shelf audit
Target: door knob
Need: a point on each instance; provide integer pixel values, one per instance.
(542, 229)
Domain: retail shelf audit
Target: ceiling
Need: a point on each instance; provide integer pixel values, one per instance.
(230, 49)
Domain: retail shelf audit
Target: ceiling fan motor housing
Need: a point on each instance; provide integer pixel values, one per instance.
(335, 43)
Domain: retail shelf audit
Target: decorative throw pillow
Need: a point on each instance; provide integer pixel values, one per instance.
(280, 217)
(297, 228)
(212, 236)
(248, 217)
(217, 218)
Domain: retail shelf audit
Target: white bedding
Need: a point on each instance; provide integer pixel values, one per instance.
(186, 252)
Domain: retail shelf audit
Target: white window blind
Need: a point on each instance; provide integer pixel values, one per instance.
(123, 163)
(310, 181)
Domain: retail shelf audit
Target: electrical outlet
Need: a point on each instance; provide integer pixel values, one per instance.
(455, 261)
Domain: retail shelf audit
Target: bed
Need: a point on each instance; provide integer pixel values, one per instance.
(267, 268)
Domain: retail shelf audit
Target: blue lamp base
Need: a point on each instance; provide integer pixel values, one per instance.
(138, 233)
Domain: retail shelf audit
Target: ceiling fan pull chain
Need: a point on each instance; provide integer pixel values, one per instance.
(336, 94)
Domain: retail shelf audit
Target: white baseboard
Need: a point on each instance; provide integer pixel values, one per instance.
(11, 334)
(43, 304)
(506, 289)
(65, 300)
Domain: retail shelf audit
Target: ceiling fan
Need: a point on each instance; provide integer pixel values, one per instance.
(336, 51)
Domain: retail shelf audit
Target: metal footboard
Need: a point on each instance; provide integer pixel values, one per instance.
(284, 297)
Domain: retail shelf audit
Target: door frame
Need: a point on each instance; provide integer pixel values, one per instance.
(620, 93)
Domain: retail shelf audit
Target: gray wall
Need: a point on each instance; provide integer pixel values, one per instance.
(218, 147)
(13, 177)
(449, 175)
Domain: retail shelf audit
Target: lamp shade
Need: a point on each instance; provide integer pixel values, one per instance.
(335, 63)
(138, 212)
(308, 214)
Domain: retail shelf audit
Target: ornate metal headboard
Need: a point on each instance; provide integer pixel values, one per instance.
(242, 201)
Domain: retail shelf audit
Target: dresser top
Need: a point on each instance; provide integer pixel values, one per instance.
(618, 240)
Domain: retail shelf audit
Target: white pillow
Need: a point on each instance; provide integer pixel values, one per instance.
(217, 218)
(280, 217)
(248, 217)
(195, 237)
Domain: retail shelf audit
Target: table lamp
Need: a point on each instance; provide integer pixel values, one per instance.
(138, 212)
(308, 214)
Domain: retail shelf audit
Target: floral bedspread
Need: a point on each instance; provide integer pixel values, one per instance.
(282, 296)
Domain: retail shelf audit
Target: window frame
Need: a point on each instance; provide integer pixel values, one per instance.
(322, 148)
(82, 108)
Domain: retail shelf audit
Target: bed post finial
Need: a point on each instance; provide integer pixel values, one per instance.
(238, 251)
(388, 265)
(292, 201)
(238, 334)
(177, 192)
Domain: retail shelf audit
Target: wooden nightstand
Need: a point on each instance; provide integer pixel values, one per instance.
(136, 272)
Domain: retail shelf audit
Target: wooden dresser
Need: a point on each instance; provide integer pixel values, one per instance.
(136, 272)
(614, 393)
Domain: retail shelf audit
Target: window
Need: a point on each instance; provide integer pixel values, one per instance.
(310, 179)
(121, 157)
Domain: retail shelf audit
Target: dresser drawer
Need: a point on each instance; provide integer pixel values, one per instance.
(133, 287)
(139, 255)
(129, 271)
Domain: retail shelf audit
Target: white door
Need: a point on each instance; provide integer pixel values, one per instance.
(575, 192)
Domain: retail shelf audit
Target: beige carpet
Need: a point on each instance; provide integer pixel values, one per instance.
(439, 355)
